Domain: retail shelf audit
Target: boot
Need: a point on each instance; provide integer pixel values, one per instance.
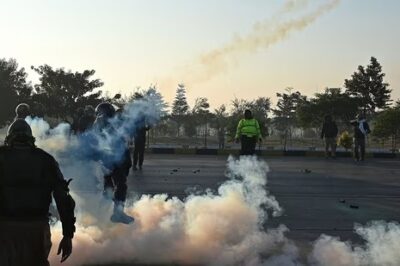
(119, 216)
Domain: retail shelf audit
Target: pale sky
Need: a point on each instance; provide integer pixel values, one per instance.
(212, 46)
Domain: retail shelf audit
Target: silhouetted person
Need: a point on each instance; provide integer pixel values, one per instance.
(28, 178)
(22, 111)
(86, 121)
(361, 131)
(116, 180)
(221, 138)
(329, 132)
(75, 119)
(140, 144)
(248, 131)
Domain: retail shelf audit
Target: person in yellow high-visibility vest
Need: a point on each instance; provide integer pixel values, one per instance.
(248, 132)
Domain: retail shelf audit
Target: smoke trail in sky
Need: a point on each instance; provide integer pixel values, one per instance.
(294, 5)
(263, 35)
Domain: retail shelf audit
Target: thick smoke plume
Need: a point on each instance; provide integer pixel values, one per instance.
(263, 35)
(223, 228)
(381, 248)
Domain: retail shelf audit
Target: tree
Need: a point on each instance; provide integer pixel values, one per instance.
(387, 125)
(201, 113)
(343, 107)
(367, 85)
(63, 92)
(260, 108)
(180, 107)
(220, 118)
(14, 89)
(285, 112)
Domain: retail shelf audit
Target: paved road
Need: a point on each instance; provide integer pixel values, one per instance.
(311, 200)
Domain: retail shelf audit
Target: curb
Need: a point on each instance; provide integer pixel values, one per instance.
(269, 153)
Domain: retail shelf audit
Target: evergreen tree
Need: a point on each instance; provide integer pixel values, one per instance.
(367, 85)
(180, 107)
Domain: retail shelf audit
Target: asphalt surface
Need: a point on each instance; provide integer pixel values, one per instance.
(318, 195)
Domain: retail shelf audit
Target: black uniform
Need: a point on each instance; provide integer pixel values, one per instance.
(140, 144)
(116, 180)
(28, 178)
(85, 123)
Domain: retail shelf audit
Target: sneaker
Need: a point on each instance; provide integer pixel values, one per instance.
(140, 167)
(134, 168)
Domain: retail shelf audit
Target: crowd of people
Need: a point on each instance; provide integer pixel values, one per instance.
(26, 192)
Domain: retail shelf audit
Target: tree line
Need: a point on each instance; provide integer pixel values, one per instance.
(60, 93)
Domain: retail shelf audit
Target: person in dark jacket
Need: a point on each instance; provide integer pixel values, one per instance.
(248, 131)
(87, 120)
(75, 120)
(116, 180)
(361, 130)
(329, 132)
(140, 144)
(22, 111)
(28, 178)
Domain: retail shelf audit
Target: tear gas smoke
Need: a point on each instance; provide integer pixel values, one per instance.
(382, 243)
(263, 35)
(224, 228)
(210, 229)
(294, 5)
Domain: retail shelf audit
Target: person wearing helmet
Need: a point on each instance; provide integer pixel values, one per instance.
(22, 111)
(116, 181)
(248, 132)
(29, 177)
(86, 121)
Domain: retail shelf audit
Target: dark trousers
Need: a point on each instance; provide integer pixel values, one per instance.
(248, 145)
(116, 181)
(330, 143)
(24, 243)
(138, 152)
(359, 147)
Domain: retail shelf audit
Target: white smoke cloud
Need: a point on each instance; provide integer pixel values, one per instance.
(381, 247)
(223, 228)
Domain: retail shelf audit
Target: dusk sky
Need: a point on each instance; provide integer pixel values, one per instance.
(219, 49)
